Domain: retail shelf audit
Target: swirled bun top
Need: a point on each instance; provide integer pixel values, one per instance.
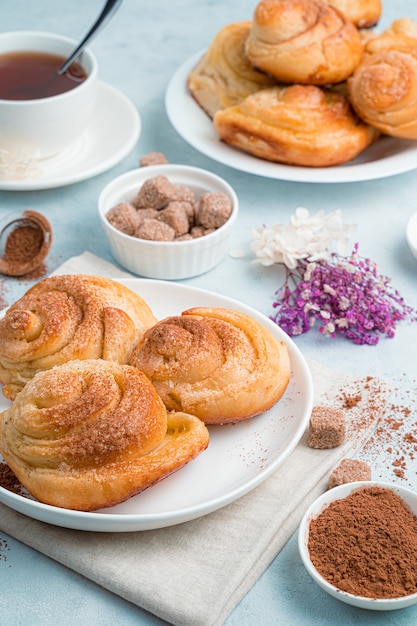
(303, 41)
(218, 364)
(302, 125)
(383, 92)
(69, 317)
(90, 434)
(363, 13)
(223, 76)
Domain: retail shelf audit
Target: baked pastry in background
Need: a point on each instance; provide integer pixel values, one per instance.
(303, 41)
(223, 76)
(401, 35)
(90, 434)
(296, 124)
(69, 317)
(383, 92)
(363, 13)
(218, 364)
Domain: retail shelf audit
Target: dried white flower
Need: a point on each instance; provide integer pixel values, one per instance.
(304, 237)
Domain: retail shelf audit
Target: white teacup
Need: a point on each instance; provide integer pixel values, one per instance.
(40, 128)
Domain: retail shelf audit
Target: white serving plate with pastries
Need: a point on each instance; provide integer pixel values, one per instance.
(239, 457)
(387, 157)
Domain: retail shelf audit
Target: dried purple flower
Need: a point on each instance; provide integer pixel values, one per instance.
(343, 295)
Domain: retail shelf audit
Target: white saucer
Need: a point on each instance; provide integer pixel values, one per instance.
(113, 133)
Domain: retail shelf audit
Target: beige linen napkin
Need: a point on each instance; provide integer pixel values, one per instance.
(195, 573)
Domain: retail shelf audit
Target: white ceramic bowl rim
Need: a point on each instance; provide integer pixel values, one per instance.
(412, 233)
(88, 60)
(187, 169)
(338, 493)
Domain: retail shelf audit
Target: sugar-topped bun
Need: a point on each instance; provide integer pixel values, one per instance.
(296, 124)
(223, 76)
(383, 89)
(69, 317)
(90, 434)
(303, 41)
(363, 13)
(216, 363)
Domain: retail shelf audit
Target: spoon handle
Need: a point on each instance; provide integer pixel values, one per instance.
(109, 8)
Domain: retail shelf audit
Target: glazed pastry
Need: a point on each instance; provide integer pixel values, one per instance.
(383, 92)
(218, 364)
(298, 125)
(363, 13)
(90, 434)
(401, 35)
(303, 41)
(69, 317)
(223, 76)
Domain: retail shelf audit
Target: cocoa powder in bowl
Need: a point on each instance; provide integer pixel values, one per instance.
(26, 240)
(366, 544)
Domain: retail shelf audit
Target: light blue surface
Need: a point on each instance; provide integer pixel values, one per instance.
(138, 52)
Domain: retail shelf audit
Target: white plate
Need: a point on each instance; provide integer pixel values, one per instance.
(388, 156)
(239, 457)
(411, 234)
(113, 133)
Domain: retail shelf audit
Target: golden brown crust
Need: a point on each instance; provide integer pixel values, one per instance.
(401, 35)
(298, 125)
(90, 434)
(218, 364)
(69, 317)
(383, 92)
(363, 13)
(303, 41)
(223, 76)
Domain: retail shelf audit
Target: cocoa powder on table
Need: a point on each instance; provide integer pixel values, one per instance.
(366, 544)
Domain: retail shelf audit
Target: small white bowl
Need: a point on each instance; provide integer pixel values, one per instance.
(338, 493)
(412, 234)
(167, 260)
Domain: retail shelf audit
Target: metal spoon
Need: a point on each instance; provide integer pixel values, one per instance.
(32, 92)
(109, 9)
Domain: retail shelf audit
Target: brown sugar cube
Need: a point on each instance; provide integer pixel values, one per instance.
(327, 427)
(155, 193)
(146, 214)
(214, 210)
(197, 231)
(153, 158)
(124, 217)
(175, 214)
(155, 230)
(184, 194)
(349, 471)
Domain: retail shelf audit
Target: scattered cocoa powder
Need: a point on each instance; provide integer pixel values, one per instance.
(9, 481)
(350, 401)
(4, 548)
(393, 444)
(366, 544)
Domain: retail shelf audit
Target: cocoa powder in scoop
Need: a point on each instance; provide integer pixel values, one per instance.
(366, 544)
(28, 240)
